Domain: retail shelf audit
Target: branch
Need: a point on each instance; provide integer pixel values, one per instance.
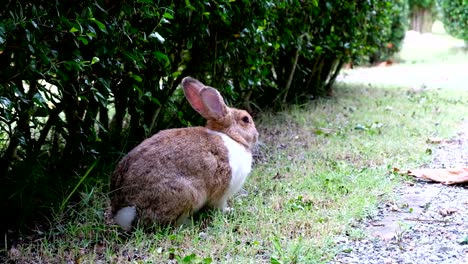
(22, 128)
(291, 75)
(332, 79)
(45, 131)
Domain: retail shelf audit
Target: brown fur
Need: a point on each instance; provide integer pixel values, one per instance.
(176, 172)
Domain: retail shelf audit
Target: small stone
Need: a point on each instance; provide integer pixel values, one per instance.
(341, 239)
(388, 261)
(202, 235)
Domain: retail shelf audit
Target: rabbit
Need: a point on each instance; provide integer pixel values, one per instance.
(176, 172)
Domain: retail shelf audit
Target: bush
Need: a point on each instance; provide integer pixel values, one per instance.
(391, 37)
(114, 67)
(455, 18)
(83, 83)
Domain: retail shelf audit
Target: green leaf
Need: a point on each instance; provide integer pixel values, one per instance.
(31, 48)
(189, 258)
(137, 78)
(168, 15)
(275, 261)
(2, 35)
(37, 98)
(101, 26)
(163, 58)
(91, 34)
(83, 40)
(5, 102)
(207, 260)
(73, 30)
(95, 60)
(157, 36)
(176, 74)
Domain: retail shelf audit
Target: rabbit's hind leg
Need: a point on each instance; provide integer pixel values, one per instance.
(174, 203)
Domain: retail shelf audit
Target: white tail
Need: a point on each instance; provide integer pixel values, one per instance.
(125, 216)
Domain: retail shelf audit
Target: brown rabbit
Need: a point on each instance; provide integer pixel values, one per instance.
(176, 172)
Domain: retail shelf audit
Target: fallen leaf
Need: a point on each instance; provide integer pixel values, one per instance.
(435, 140)
(445, 176)
(385, 63)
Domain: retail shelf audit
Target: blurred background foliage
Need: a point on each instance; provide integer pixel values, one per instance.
(454, 15)
(422, 15)
(83, 82)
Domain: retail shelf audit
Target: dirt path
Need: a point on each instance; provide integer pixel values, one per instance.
(448, 75)
(430, 61)
(428, 223)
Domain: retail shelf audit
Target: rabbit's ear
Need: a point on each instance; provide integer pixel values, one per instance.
(214, 104)
(192, 89)
(205, 100)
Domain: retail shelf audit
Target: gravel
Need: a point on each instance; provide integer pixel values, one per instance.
(427, 224)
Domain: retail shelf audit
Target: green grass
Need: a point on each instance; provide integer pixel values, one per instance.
(322, 167)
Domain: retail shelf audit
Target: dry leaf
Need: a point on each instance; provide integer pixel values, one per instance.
(398, 171)
(445, 176)
(435, 140)
(385, 63)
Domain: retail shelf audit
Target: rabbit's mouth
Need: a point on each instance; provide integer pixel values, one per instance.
(258, 151)
(252, 141)
(253, 146)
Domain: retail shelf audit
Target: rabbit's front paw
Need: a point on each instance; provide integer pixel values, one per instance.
(222, 206)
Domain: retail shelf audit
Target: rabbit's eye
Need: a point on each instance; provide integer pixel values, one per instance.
(246, 119)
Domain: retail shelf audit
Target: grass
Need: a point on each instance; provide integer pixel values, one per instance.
(321, 169)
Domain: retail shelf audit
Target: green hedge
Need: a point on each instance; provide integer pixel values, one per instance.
(455, 17)
(115, 67)
(390, 40)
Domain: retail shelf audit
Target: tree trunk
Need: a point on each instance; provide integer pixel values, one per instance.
(421, 20)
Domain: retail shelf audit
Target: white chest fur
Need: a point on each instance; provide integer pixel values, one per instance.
(240, 161)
